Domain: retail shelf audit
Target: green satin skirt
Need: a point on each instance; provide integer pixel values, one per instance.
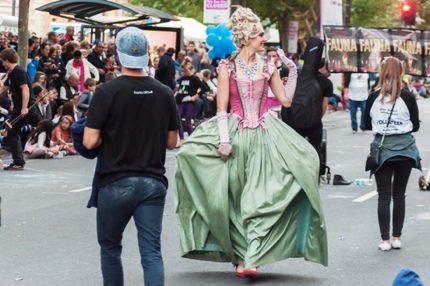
(259, 207)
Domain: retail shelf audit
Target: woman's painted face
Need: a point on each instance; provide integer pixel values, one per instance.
(258, 42)
(65, 124)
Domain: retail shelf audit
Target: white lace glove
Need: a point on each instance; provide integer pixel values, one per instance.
(290, 87)
(224, 149)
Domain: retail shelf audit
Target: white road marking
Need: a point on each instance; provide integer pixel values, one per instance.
(81, 190)
(366, 197)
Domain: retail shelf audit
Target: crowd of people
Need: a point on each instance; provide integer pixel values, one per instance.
(263, 204)
(69, 69)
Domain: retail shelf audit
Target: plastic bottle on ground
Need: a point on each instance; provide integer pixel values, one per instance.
(363, 182)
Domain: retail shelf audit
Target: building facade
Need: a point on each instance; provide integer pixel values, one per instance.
(41, 22)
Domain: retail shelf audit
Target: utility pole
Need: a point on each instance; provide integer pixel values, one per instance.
(347, 13)
(24, 7)
(13, 7)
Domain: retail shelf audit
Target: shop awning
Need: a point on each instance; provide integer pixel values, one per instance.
(9, 24)
(82, 11)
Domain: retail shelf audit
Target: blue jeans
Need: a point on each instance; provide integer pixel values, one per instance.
(142, 198)
(199, 106)
(353, 106)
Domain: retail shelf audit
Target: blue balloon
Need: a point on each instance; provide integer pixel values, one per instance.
(233, 48)
(225, 44)
(210, 30)
(212, 40)
(222, 30)
(217, 52)
(211, 54)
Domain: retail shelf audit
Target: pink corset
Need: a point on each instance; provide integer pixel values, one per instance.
(248, 98)
(251, 107)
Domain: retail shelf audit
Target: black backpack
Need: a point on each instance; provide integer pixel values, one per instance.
(306, 109)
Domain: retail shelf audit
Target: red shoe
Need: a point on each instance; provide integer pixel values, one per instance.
(250, 273)
(240, 274)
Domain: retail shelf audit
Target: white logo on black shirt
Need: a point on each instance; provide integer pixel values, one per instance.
(144, 92)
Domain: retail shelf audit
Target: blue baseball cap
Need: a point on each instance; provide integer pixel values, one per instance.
(407, 277)
(132, 48)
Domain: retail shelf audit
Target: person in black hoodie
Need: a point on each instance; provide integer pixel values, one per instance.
(166, 67)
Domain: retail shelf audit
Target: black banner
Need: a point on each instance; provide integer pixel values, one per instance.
(358, 49)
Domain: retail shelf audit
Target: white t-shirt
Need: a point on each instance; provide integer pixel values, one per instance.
(358, 87)
(400, 122)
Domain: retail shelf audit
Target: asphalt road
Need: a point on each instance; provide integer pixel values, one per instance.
(48, 235)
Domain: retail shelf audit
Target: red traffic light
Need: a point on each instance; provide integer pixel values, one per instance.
(408, 12)
(406, 7)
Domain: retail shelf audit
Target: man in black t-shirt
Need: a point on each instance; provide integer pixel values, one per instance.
(19, 85)
(135, 118)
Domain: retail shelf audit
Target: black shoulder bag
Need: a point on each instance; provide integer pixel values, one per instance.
(373, 158)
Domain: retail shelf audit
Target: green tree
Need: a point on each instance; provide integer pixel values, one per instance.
(282, 13)
(179, 8)
(378, 14)
(279, 14)
(423, 9)
(386, 14)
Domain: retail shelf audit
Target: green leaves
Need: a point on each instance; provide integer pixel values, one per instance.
(180, 8)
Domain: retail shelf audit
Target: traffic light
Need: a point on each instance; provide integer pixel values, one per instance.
(409, 11)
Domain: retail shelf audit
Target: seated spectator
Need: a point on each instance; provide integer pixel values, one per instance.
(156, 62)
(61, 135)
(32, 63)
(42, 101)
(84, 53)
(57, 70)
(210, 108)
(85, 45)
(69, 88)
(150, 70)
(46, 63)
(69, 109)
(82, 68)
(57, 115)
(70, 31)
(85, 98)
(4, 109)
(52, 107)
(110, 63)
(39, 144)
(39, 79)
(110, 76)
(205, 61)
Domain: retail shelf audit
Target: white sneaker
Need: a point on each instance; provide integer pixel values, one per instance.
(384, 246)
(396, 244)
